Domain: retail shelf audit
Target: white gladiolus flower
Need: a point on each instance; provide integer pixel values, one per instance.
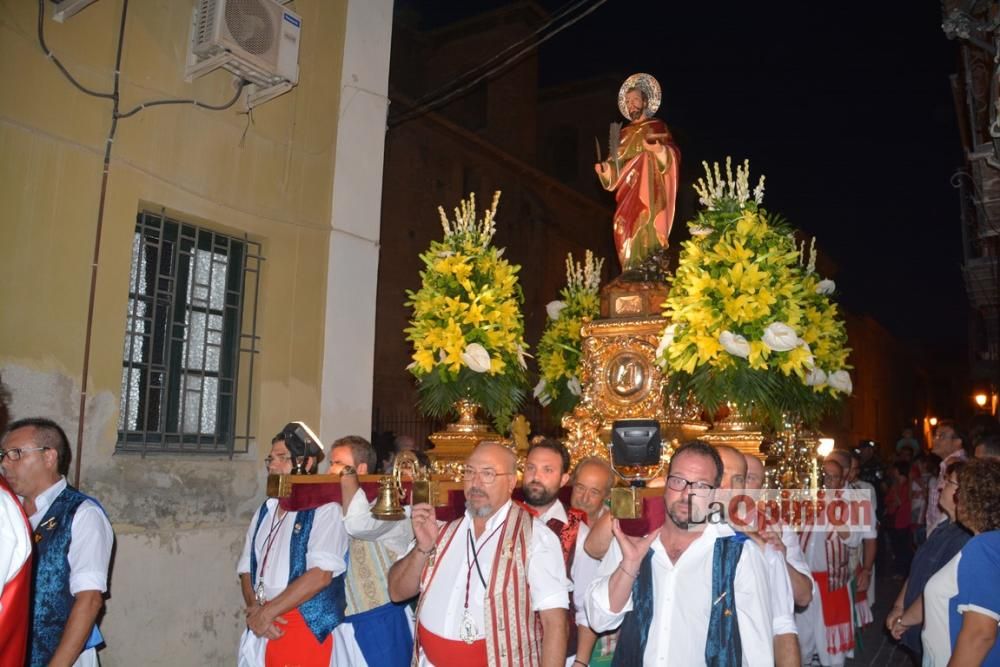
(666, 340)
(825, 286)
(735, 344)
(779, 337)
(521, 354)
(699, 230)
(816, 377)
(553, 308)
(476, 358)
(841, 381)
(573, 384)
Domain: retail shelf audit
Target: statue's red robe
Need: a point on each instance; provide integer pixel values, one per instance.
(646, 191)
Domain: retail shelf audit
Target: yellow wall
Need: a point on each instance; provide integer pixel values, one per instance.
(179, 520)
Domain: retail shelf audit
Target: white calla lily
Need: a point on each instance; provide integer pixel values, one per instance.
(841, 381)
(815, 377)
(779, 337)
(826, 286)
(666, 340)
(554, 308)
(476, 358)
(734, 344)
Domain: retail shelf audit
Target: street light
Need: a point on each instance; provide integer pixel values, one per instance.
(932, 421)
(981, 399)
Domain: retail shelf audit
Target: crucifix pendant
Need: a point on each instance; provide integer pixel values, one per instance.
(467, 633)
(260, 593)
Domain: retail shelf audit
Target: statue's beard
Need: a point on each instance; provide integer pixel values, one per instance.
(635, 114)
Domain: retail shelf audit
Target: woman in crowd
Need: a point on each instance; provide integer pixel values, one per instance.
(907, 614)
(962, 600)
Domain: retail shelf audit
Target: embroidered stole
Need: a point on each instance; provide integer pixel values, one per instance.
(367, 585)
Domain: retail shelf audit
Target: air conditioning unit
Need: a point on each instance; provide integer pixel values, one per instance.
(257, 40)
(66, 8)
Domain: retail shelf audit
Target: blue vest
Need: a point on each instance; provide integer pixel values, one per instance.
(722, 645)
(323, 611)
(52, 602)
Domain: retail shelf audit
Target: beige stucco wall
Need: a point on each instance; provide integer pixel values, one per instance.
(179, 520)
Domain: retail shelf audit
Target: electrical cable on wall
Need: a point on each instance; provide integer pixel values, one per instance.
(421, 109)
(241, 84)
(114, 96)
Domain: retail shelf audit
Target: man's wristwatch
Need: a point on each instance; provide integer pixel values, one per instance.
(348, 470)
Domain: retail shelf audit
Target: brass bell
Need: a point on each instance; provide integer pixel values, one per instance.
(388, 506)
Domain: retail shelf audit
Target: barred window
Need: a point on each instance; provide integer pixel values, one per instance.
(190, 340)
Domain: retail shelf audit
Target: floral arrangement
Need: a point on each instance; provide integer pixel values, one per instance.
(467, 329)
(560, 347)
(751, 322)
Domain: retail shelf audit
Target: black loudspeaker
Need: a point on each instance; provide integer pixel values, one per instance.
(635, 442)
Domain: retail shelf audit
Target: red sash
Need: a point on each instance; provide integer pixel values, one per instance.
(443, 652)
(14, 616)
(836, 615)
(15, 602)
(298, 646)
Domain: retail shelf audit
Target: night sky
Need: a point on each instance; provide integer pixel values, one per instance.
(846, 108)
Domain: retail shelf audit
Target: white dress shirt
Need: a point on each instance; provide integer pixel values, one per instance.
(15, 539)
(326, 550)
(443, 602)
(395, 536)
(91, 540)
(584, 567)
(682, 602)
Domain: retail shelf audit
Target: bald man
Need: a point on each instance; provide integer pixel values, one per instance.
(492, 583)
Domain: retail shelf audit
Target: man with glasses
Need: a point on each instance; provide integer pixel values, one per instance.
(680, 592)
(291, 569)
(73, 541)
(949, 444)
(492, 583)
(826, 626)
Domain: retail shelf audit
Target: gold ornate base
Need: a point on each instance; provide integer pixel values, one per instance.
(735, 431)
(622, 381)
(457, 440)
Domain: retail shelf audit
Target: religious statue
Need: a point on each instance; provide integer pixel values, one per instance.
(642, 168)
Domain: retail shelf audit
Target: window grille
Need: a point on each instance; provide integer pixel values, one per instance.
(190, 341)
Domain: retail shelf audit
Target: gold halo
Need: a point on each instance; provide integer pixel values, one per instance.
(646, 82)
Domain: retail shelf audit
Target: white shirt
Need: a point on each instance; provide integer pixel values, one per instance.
(443, 603)
(682, 602)
(15, 539)
(936, 635)
(91, 540)
(584, 567)
(395, 536)
(326, 550)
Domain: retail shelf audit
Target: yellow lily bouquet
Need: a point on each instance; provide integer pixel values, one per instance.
(560, 347)
(750, 321)
(467, 329)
